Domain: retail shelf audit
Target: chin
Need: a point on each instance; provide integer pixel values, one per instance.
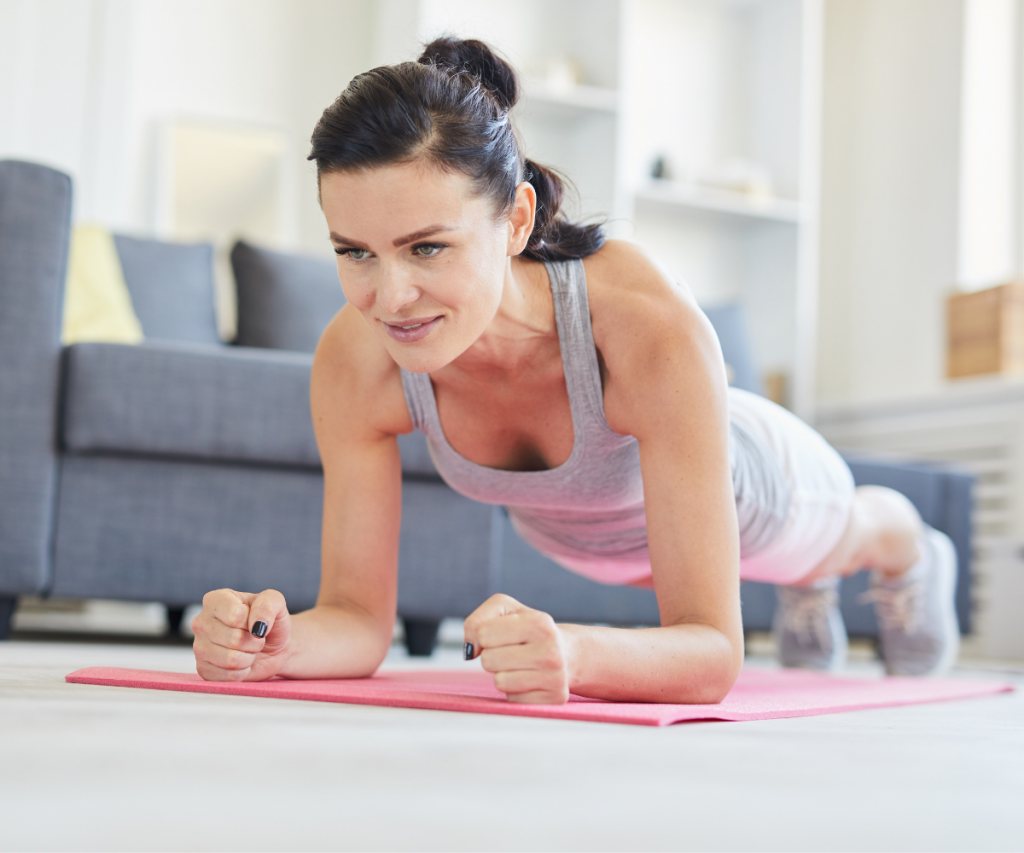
(419, 359)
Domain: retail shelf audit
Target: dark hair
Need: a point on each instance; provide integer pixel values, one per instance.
(451, 109)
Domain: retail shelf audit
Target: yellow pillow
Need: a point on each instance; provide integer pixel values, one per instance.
(97, 305)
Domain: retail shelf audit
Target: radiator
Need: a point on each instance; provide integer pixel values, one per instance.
(978, 426)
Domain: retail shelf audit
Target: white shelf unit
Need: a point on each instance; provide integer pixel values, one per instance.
(575, 101)
(712, 87)
(678, 196)
(699, 83)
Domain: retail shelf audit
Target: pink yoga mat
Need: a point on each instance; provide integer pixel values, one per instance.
(758, 694)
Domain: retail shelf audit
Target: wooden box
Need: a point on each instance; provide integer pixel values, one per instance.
(985, 331)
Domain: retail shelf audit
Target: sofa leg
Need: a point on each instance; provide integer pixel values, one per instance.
(174, 617)
(7, 607)
(420, 635)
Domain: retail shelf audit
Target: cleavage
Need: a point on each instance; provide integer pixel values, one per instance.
(523, 427)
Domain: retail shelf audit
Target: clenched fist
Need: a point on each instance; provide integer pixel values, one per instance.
(241, 636)
(524, 648)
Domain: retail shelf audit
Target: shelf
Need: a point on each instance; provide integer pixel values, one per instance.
(572, 102)
(951, 397)
(692, 197)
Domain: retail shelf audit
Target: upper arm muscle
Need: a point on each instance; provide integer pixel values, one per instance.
(665, 384)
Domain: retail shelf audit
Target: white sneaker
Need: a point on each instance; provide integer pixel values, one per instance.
(808, 627)
(916, 611)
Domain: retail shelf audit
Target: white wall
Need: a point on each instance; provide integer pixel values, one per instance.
(84, 85)
(988, 192)
(330, 41)
(890, 194)
(45, 80)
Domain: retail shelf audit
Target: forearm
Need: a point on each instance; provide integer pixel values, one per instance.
(678, 664)
(332, 641)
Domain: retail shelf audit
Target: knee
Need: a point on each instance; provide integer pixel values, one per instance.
(887, 509)
(881, 495)
(896, 526)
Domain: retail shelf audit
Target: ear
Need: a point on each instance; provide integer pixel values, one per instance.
(520, 220)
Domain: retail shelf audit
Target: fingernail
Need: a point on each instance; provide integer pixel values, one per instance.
(259, 629)
(467, 651)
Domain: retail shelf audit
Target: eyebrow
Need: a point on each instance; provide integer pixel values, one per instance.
(401, 241)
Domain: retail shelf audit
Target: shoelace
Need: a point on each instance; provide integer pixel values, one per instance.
(805, 612)
(896, 607)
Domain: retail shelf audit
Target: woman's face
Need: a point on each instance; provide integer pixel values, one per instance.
(420, 255)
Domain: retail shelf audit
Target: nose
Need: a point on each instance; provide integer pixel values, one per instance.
(395, 289)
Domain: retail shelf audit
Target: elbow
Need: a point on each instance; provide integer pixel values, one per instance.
(720, 673)
(365, 665)
(376, 661)
(717, 686)
(374, 655)
(363, 638)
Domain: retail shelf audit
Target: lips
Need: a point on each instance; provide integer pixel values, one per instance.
(412, 330)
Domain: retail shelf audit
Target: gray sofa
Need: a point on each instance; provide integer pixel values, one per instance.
(160, 471)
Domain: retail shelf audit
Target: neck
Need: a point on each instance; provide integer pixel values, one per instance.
(515, 337)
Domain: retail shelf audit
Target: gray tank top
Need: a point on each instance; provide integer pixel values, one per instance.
(588, 513)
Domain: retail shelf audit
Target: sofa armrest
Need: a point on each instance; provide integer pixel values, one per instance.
(35, 223)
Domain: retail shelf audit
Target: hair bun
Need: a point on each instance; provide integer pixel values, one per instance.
(472, 55)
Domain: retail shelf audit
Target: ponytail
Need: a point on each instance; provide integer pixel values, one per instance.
(554, 238)
(450, 108)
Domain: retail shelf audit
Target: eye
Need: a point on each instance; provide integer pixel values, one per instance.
(354, 254)
(428, 250)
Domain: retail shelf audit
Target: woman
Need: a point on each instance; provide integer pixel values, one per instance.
(570, 379)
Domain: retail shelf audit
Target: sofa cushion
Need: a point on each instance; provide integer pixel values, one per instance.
(228, 404)
(190, 401)
(171, 286)
(284, 301)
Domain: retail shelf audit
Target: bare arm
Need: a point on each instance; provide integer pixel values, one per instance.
(664, 382)
(358, 408)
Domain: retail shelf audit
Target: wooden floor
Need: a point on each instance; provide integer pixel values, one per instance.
(96, 768)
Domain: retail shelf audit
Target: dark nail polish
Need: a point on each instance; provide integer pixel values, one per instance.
(259, 629)
(467, 651)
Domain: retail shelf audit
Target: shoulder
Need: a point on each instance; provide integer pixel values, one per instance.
(638, 309)
(649, 331)
(625, 282)
(356, 387)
